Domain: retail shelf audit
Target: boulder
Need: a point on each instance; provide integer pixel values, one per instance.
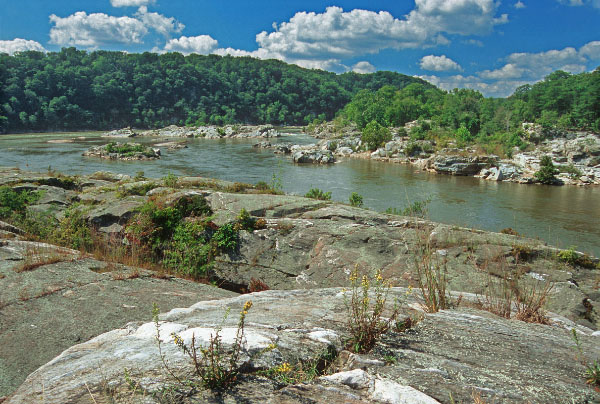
(458, 165)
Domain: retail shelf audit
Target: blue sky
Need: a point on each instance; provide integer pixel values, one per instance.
(489, 45)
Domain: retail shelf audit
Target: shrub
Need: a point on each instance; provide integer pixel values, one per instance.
(12, 202)
(546, 173)
(225, 238)
(431, 276)
(73, 230)
(316, 193)
(374, 135)
(171, 180)
(366, 311)
(188, 252)
(568, 256)
(356, 200)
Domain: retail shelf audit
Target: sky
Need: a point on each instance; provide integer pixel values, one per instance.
(492, 46)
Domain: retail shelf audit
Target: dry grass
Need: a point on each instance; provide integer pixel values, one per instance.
(256, 285)
(431, 275)
(125, 275)
(509, 296)
(36, 256)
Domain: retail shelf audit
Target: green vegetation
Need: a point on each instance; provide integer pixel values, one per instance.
(14, 203)
(561, 100)
(374, 135)
(316, 193)
(74, 89)
(546, 173)
(415, 209)
(356, 200)
(215, 368)
(366, 310)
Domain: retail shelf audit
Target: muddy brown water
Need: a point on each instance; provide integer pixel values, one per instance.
(563, 216)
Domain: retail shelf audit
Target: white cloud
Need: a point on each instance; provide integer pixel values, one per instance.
(93, 30)
(130, 3)
(20, 45)
(81, 29)
(363, 67)
(501, 88)
(439, 63)
(519, 4)
(591, 50)
(322, 40)
(535, 66)
(158, 22)
(202, 44)
(522, 68)
(593, 3)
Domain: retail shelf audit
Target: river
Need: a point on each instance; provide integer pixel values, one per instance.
(563, 216)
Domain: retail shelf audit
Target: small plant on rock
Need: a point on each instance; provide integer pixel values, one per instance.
(356, 200)
(215, 368)
(316, 193)
(366, 321)
(592, 372)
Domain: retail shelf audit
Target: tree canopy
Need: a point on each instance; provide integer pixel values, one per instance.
(74, 89)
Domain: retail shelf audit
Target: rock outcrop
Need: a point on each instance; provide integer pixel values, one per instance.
(70, 298)
(123, 151)
(450, 356)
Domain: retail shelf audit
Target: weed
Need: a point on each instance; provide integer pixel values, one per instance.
(521, 252)
(214, 368)
(508, 296)
(356, 200)
(237, 187)
(139, 176)
(171, 180)
(137, 189)
(415, 209)
(36, 256)
(592, 372)
(316, 193)
(303, 371)
(432, 276)
(366, 309)
(188, 251)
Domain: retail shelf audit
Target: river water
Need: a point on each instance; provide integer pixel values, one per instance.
(563, 216)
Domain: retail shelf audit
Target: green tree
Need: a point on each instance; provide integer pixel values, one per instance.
(546, 173)
(375, 135)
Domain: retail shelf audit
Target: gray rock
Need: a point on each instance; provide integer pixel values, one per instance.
(458, 165)
(451, 353)
(46, 310)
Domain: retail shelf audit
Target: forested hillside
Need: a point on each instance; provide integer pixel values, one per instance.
(75, 89)
(561, 100)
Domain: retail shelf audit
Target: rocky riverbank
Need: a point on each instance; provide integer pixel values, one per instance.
(207, 132)
(303, 250)
(575, 154)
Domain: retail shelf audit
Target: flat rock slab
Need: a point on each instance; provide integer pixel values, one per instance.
(448, 354)
(50, 308)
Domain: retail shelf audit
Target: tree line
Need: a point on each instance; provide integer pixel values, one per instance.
(74, 89)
